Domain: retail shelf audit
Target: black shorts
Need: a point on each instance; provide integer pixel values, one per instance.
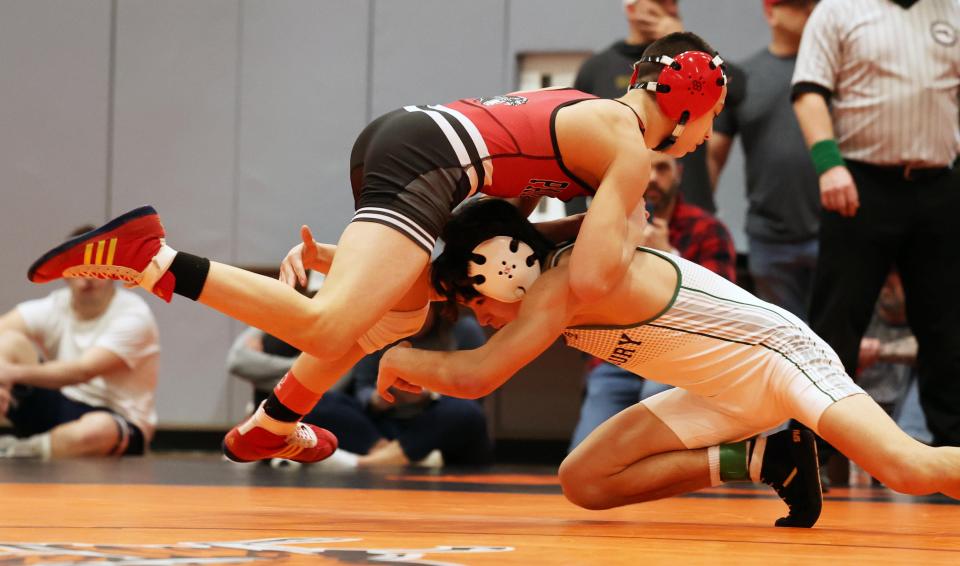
(407, 175)
(35, 410)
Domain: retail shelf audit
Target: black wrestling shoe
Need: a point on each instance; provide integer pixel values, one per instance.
(791, 468)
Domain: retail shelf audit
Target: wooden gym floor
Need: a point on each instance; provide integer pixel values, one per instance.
(201, 510)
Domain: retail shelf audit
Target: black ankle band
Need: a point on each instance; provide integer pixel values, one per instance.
(190, 273)
(278, 411)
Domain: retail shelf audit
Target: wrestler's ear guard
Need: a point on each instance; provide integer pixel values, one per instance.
(688, 86)
(503, 268)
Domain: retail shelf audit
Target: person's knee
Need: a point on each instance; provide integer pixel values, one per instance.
(16, 347)
(335, 331)
(11, 335)
(325, 339)
(581, 487)
(96, 434)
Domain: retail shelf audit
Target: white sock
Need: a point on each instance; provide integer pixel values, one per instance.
(157, 266)
(261, 419)
(713, 461)
(36, 446)
(339, 460)
(432, 460)
(46, 447)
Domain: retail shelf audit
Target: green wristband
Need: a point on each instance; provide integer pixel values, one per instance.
(826, 155)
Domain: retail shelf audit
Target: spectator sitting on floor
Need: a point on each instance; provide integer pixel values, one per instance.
(78, 372)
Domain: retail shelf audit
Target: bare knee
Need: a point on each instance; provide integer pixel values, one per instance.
(327, 345)
(93, 434)
(16, 347)
(334, 335)
(582, 487)
(327, 338)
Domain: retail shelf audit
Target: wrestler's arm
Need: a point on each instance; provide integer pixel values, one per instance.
(562, 229)
(613, 226)
(475, 373)
(557, 231)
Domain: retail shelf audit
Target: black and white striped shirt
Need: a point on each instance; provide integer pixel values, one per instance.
(893, 74)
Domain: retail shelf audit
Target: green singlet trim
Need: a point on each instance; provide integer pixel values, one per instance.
(734, 465)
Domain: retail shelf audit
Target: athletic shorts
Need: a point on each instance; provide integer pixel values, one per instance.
(36, 410)
(776, 393)
(406, 175)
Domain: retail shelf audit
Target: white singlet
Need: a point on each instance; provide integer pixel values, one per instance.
(742, 365)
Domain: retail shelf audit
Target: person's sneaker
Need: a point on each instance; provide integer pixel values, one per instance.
(307, 443)
(121, 250)
(791, 468)
(432, 460)
(36, 447)
(7, 441)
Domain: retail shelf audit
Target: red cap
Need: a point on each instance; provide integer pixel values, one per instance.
(769, 3)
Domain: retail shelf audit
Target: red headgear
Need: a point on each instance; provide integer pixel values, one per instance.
(688, 87)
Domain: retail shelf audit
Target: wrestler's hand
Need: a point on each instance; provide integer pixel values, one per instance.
(657, 235)
(378, 404)
(838, 192)
(389, 375)
(562, 229)
(310, 254)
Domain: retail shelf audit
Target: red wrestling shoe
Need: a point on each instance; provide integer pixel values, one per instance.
(307, 443)
(121, 249)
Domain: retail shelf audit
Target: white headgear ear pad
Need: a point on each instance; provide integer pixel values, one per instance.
(503, 268)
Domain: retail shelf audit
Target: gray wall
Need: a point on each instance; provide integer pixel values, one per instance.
(235, 119)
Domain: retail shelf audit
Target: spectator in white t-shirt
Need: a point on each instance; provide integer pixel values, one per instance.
(78, 373)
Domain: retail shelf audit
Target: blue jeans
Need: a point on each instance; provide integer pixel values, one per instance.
(783, 273)
(610, 389)
(909, 415)
(456, 427)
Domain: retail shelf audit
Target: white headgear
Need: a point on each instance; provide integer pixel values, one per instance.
(503, 268)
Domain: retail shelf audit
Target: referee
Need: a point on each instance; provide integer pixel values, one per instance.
(875, 90)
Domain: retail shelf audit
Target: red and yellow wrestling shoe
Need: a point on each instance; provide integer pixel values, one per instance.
(121, 249)
(250, 441)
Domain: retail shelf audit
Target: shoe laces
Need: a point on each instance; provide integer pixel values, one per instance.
(781, 492)
(302, 436)
(114, 272)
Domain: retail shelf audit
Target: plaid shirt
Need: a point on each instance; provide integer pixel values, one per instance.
(702, 239)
